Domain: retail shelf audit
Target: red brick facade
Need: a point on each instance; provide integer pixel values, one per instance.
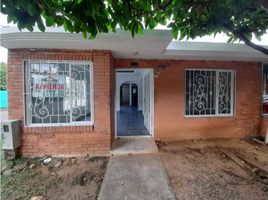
(67, 140)
(264, 125)
(169, 120)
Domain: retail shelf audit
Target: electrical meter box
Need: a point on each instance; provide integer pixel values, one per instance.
(11, 134)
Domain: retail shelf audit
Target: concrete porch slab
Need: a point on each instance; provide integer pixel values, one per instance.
(136, 177)
(134, 145)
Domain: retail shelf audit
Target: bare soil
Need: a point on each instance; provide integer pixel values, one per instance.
(75, 178)
(203, 169)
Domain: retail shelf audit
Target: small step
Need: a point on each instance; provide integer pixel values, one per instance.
(134, 145)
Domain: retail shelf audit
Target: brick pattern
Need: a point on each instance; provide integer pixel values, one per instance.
(170, 123)
(264, 125)
(66, 140)
(112, 99)
(169, 120)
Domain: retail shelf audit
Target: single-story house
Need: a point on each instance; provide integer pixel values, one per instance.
(76, 96)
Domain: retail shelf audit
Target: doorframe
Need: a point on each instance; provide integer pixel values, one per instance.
(151, 72)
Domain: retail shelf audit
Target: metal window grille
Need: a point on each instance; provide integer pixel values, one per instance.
(57, 92)
(209, 92)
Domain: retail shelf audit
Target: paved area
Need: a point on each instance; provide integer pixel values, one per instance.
(130, 122)
(134, 145)
(136, 177)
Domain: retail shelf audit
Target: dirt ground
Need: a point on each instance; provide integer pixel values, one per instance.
(62, 178)
(212, 169)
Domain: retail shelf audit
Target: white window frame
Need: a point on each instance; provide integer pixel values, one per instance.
(75, 123)
(233, 92)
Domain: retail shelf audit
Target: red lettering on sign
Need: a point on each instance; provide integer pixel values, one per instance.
(49, 86)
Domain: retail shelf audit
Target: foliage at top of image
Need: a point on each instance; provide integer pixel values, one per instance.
(3, 76)
(239, 19)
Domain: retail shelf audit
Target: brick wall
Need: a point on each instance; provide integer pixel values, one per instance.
(169, 120)
(67, 140)
(112, 99)
(170, 123)
(264, 125)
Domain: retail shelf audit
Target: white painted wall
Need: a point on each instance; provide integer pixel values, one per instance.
(137, 78)
(127, 78)
(125, 93)
(134, 78)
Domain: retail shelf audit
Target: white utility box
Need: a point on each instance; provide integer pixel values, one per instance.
(11, 137)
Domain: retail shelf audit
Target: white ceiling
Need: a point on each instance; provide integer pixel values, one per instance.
(156, 44)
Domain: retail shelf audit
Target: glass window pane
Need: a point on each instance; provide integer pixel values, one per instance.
(208, 92)
(224, 93)
(200, 95)
(57, 92)
(80, 87)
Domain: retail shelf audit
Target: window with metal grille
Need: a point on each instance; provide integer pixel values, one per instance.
(58, 92)
(209, 92)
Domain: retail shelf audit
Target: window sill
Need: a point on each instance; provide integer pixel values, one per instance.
(210, 116)
(58, 125)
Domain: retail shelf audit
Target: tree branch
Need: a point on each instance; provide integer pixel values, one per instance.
(263, 3)
(243, 38)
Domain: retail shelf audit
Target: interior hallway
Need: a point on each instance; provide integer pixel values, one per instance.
(130, 121)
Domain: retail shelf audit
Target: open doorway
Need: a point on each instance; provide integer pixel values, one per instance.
(134, 102)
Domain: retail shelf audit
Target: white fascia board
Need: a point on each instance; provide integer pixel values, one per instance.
(213, 51)
(156, 44)
(9, 34)
(149, 45)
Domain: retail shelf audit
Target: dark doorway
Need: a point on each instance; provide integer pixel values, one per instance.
(134, 95)
(124, 94)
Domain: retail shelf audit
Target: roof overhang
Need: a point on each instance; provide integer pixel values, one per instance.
(213, 51)
(156, 44)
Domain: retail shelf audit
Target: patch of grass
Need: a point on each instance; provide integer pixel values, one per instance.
(13, 189)
(26, 184)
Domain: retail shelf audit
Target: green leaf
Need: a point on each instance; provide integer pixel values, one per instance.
(84, 33)
(59, 20)
(50, 20)
(187, 18)
(40, 25)
(10, 18)
(20, 26)
(29, 27)
(68, 26)
(32, 10)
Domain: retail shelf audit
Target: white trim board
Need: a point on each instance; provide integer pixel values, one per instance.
(117, 98)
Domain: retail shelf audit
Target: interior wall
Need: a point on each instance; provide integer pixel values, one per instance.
(122, 78)
(125, 96)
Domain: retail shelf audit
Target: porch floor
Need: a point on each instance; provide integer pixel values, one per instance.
(135, 171)
(130, 122)
(134, 145)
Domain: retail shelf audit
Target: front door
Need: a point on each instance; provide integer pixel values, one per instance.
(134, 95)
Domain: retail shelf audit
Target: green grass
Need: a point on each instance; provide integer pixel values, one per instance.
(27, 183)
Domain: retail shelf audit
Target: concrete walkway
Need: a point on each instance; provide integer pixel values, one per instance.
(136, 177)
(134, 145)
